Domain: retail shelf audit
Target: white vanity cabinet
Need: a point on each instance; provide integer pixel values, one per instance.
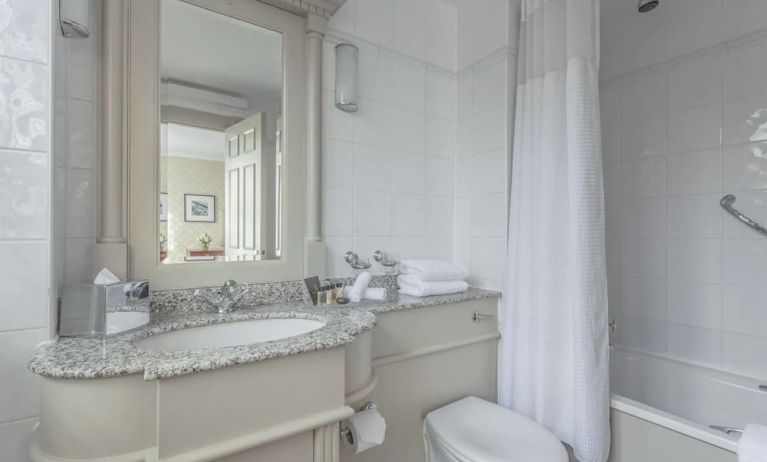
(423, 359)
(111, 401)
(281, 409)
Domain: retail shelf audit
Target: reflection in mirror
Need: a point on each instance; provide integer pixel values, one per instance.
(220, 153)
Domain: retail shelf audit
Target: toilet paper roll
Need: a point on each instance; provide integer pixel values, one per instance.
(368, 430)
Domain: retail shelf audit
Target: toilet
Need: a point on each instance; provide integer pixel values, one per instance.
(475, 430)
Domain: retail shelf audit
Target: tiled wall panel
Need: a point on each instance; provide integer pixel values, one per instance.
(683, 104)
(389, 169)
(486, 80)
(25, 168)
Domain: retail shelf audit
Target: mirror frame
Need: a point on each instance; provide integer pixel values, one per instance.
(143, 143)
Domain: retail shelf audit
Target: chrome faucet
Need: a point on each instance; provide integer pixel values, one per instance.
(223, 300)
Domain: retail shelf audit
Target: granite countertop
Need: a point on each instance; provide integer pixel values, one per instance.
(85, 358)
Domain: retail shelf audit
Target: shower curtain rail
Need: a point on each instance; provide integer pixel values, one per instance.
(726, 204)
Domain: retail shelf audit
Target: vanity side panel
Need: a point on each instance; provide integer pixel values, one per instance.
(297, 448)
(208, 408)
(400, 332)
(424, 359)
(408, 390)
(85, 419)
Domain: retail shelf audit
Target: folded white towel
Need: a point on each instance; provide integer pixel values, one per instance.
(752, 446)
(371, 293)
(412, 286)
(433, 270)
(375, 293)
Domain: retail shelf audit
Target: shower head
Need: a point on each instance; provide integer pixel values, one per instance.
(647, 5)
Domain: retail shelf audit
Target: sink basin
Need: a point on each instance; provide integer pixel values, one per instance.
(229, 334)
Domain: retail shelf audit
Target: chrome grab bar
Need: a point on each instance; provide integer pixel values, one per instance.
(726, 204)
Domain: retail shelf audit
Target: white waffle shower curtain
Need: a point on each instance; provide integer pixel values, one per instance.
(554, 351)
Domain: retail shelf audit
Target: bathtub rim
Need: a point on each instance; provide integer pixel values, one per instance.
(672, 422)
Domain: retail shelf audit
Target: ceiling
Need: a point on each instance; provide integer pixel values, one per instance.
(192, 142)
(216, 52)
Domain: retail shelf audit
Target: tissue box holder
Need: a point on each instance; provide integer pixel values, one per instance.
(100, 310)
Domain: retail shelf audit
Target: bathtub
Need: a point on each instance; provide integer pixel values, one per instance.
(668, 406)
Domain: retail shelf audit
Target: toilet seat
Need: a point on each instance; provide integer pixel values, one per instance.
(475, 430)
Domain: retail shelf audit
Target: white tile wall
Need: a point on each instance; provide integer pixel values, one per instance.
(423, 166)
(483, 143)
(25, 168)
(76, 149)
(389, 169)
(684, 110)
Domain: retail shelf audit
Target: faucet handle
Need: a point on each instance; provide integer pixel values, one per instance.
(355, 261)
(225, 298)
(229, 288)
(384, 259)
(237, 291)
(212, 298)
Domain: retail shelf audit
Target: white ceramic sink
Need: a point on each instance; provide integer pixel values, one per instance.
(229, 334)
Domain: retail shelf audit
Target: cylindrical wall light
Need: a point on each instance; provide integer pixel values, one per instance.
(74, 16)
(347, 59)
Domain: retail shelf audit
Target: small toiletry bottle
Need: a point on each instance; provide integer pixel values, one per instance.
(322, 296)
(339, 290)
(331, 295)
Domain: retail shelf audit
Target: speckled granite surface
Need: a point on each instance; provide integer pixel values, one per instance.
(83, 358)
(260, 294)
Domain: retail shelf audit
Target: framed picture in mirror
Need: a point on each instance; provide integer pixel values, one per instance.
(199, 208)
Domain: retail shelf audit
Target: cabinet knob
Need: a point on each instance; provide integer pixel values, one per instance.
(477, 316)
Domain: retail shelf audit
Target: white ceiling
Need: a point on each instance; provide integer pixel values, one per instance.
(218, 52)
(192, 142)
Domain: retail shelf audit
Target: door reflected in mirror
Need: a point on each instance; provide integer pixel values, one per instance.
(221, 94)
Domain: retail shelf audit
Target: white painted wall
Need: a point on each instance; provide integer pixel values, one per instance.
(683, 103)
(24, 212)
(388, 170)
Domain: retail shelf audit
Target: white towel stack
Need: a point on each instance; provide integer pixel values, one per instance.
(421, 277)
(752, 446)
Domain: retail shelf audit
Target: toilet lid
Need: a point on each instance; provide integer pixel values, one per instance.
(476, 430)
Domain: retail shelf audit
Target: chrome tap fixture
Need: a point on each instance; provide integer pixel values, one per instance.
(612, 327)
(224, 299)
(384, 259)
(356, 262)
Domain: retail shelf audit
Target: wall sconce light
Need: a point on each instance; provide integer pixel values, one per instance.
(347, 58)
(74, 17)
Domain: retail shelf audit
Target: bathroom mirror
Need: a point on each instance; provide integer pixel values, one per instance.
(216, 142)
(220, 184)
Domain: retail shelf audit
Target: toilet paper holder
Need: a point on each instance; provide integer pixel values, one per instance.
(346, 432)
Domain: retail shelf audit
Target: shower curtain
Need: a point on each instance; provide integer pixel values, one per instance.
(554, 351)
